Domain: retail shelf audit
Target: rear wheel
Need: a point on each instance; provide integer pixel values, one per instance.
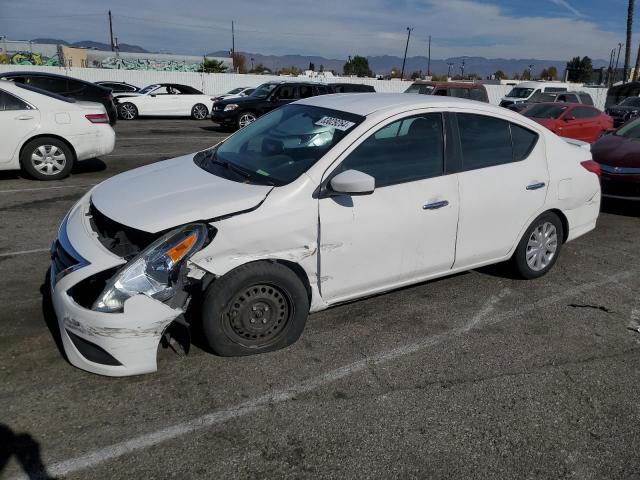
(258, 307)
(128, 111)
(540, 246)
(47, 158)
(246, 118)
(199, 111)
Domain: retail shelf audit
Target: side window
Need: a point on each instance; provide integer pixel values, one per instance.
(55, 85)
(523, 142)
(407, 150)
(478, 94)
(306, 91)
(9, 102)
(286, 92)
(485, 141)
(586, 99)
(440, 91)
(459, 92)
(584, 112)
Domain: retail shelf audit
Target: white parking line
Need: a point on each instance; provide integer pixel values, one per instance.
(216, 417)
(17, 190)
(23, 252)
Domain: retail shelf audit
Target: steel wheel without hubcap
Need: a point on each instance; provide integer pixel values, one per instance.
(128, 111)
(542, 246)
(257, 315)
(199, 112)
(245, 119)
(48, 160)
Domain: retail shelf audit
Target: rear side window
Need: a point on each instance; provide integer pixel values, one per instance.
(306, 91)
(555, 89)
(407, 150)
(523, 141)
(54, 85)
(586, 99)
(9, 102)
(485, 141)
(584, 112)
(459, 92)
(478, 94)
(323, 90)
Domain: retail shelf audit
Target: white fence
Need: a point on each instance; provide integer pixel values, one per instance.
(217, 83)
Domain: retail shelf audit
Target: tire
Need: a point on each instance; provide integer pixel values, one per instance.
(47, 158)
(245, 118)
(258, 307)
(199, 111)
(128, 111)
(539, 247)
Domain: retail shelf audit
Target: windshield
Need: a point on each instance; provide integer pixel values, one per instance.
(544, 111)
(519, 92)
(235, 90)
(148, 88)
(631, 102)
(420, 88)
(278, 147)
(263, 90)
(630, 130)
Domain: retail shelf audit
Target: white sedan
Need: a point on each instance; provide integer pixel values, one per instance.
(44, 133)
(164, 99)
(322, 201)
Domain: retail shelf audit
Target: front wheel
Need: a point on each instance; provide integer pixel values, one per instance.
(128, 111)
(258, 307)
(246, 118)
(199, 112)
(540, 246)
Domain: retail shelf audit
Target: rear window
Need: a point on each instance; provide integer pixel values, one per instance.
(420, 88)
(45, 93)
(478, 94)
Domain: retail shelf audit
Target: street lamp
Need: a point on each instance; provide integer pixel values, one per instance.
(409, 30)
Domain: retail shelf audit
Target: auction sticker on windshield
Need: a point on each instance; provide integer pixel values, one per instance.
(337, 123)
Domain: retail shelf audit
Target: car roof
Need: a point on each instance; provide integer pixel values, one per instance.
(449, 84)
(50, 75)
(368, 103)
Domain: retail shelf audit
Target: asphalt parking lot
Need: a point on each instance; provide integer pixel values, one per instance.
(473, 376)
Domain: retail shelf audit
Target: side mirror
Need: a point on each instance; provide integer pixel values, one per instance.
(273, 99)
(353, 182)
(152, 95)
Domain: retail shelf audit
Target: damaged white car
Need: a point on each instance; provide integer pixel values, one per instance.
(322, 201)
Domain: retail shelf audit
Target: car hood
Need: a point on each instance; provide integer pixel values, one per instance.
(617, 151)
(171, 193)
(240, 100)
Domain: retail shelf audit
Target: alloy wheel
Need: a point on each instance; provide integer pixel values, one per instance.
(245, 119)
(542, 246)
(48, 159)
(200, 112)
(128, 111)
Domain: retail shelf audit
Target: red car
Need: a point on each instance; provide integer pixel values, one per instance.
(619, 157)
(572, 120)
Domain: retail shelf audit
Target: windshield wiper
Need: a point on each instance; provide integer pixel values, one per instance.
(249, 174)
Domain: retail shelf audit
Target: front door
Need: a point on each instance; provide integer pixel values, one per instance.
(406, 229)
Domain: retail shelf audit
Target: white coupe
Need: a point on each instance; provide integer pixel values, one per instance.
(164, 99)
(322, 201)
(44, 133)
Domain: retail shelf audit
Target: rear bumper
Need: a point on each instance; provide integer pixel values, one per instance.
(101, 141)
(113, 344)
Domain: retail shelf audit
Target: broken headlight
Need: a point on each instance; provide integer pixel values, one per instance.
(154, 271)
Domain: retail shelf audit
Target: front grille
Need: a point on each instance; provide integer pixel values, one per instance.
(119, 239)
(61, 259)
(615, 187)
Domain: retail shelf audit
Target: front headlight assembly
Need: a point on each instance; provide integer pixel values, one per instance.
(154, 271)
(230, 107)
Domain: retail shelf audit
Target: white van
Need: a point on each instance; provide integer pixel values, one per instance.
(525, 90)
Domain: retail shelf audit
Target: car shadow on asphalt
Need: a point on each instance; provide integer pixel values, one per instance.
(49, 315)
(626, 208)
(91, 165)
(25, 449)
(217, 129)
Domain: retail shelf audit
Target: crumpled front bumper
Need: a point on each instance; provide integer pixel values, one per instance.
(114, 344)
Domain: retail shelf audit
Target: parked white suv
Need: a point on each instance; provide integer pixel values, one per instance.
(523, 92)
(44, 133)
(321, 201)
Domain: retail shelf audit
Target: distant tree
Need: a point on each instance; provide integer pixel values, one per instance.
(292, 70)
(580, 70)
(239, 63)
(516, 76)
(3, 59)
(212, 66)
(416, 75)
(358, 66)
(259, 68)
(395, 72)
(312, 67)
(321, 68)
(499, 75)
(550, 73)
(526, 74)
(439, 78)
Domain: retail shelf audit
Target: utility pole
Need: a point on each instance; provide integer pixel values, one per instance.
(531, 71)
(450, 65)
(233, 46)
(636, 72)
(409, 29)
(111, 33)
(610, 70)
(615, 70)
(627, 47)
(429, 61)
(462, 69)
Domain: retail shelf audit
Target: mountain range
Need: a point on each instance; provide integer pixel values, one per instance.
(381, 64)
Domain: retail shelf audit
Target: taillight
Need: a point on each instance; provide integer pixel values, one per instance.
(593, 167)
(97, 117)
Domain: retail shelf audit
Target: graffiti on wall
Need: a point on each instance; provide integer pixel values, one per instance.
(148, 64)
(30, 58)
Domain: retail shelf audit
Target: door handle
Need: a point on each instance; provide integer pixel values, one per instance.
(24, 117)
(435, 205)
(536, 186)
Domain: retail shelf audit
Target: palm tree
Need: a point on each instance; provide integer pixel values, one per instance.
(627, 47)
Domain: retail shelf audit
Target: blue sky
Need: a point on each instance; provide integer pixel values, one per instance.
(545, 29)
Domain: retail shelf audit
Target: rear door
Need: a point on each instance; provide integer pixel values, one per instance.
(18, 120)
(406, 229)
(503, 183)
(586, 126)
